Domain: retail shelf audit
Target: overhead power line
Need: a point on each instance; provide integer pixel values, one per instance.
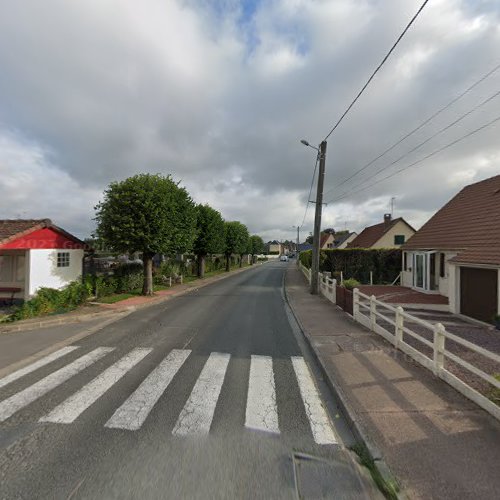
(418, 146)
(430, 155)
(310, 190)
(416, 129)
(377, 69)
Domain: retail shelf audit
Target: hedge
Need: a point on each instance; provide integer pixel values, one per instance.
(356, 263)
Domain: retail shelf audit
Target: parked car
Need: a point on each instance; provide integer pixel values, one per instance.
(284, 258)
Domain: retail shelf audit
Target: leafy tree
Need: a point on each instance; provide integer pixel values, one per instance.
(256, 246)
(146, 213)
(236, 240)
(309, 239)
(209, 235)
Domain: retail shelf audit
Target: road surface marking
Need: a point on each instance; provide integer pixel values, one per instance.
(71, 408)
(132, 414)
(318, 419)
(261, 412)
(21, 399)
(197, 414)
(37, 364)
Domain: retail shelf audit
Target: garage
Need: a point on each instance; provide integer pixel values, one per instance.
(479, 293)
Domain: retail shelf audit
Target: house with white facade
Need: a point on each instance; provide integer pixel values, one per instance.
(35, 254)
(392, 233)
(457, 252)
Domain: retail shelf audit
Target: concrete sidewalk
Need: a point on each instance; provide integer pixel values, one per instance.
(436, 442)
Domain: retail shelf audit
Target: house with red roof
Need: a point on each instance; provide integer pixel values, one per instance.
(457, 252)
(35, 254)
(392, 233)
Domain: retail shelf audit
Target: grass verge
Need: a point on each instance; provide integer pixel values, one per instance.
(389, 488)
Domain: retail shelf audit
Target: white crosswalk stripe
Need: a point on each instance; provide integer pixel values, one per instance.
(195, 418)
(197, 414)
(70, 409)
(321, 426)
(21, 399)
(261, 410)
(132, 414)
(37, 364)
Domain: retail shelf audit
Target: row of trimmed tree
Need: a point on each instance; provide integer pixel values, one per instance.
(153, 214)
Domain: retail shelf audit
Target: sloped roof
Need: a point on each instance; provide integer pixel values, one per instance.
(12, 229)
(324, 238)
(342, 238)
(371, 234)
(468, 223)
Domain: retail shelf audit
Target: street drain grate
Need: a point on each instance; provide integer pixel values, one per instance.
(317, 477)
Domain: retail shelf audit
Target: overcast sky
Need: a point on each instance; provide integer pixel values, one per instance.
(219, 93)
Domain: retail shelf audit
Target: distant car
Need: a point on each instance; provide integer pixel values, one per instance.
(284, 258)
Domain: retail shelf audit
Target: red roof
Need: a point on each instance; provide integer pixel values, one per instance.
(371, 234)
(35, 234)
(469, 223)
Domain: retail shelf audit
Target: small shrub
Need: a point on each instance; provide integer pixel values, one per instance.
(350, 284)
(49, 301)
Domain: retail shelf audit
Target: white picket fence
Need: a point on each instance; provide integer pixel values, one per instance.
(369, 311)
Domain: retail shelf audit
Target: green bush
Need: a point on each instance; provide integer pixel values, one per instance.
(50, 301)
(350, 284)
(385, 263)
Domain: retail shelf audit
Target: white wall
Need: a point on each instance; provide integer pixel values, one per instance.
(45, 273)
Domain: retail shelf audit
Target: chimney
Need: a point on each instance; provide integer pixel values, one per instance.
(387, 220)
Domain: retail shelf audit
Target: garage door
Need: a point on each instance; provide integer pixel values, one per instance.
(479, 293)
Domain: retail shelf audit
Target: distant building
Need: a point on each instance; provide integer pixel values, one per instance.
(392, 233)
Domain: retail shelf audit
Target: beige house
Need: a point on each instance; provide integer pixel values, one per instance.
(344, 241)
(457, 252)
(327, 241)
(392, 233)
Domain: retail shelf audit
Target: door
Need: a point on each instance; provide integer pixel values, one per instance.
(479, 293)
(420, 271)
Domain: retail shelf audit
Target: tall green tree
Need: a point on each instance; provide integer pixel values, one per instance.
(209, 235)
(149, 214)
(236, 240)
(256, 246)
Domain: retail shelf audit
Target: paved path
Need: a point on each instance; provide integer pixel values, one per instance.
(208, 395)
(439, 444)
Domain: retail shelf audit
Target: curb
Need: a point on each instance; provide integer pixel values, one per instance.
(44, 322)
(349, 414)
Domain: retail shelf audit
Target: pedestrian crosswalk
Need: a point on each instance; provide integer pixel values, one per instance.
(197, 414)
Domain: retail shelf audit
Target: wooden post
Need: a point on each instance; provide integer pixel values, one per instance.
(371, 277)
(373, 310)
(439, 343)
(398, 337)
(355, 304)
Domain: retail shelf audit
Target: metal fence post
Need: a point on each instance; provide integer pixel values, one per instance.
(373, 311)
(439, 340)
(398, 337)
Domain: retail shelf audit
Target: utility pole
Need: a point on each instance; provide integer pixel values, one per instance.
(393, 199)
(297, 252)
(317, 221)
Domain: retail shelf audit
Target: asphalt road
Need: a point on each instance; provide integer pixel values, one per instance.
(210, 395)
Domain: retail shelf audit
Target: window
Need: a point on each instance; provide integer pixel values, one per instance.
(441, 265)
(11, 268)
(62, 259)
(399, 239)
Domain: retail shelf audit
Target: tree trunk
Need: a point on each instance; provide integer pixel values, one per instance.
(228, 263)
(241, 260)
(251, 259)
(201, 266)
(147, 287)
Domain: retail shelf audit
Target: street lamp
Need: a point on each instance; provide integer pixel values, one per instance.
(317, 216)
